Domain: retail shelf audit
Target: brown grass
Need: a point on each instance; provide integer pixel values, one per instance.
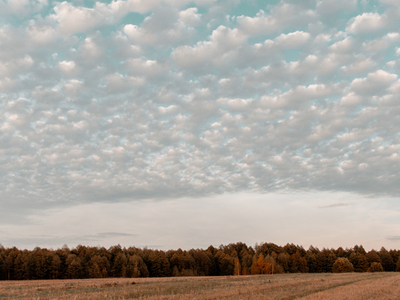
(355, 286)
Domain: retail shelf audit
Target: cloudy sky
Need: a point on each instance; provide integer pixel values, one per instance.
(177, 123)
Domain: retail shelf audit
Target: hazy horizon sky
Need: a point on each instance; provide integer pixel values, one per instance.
(184, 124)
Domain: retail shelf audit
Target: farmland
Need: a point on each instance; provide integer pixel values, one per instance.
(280, 286)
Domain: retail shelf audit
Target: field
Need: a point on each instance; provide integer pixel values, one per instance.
(284, 286)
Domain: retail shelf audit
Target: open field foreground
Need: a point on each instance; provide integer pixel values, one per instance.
(283, 286)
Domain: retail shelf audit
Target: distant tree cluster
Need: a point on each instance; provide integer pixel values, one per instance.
(232, 259)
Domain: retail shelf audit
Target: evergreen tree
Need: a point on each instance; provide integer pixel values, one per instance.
(119, 265)
(297, 263)
(74, 267)
(398, 266)
(325, 261)
(226, 264)
(387, 260)
(373, 256)
(21, 266)
(158, 264)
(246, 261)
(202, 262)
(55, 267)
(359, 262)
(312, 263)
(260, 265)
(2, 266)
(95, 270)
(283, 260)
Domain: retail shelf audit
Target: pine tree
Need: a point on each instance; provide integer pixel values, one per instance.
(387, 260)
(94, 267)
(119, 265)
(398, 266)
(55, 267)
(373, 256)
(311, 262)
(74, 267)
(2, 267)
(359, 262)
(298, 264)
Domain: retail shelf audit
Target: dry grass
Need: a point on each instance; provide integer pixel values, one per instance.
(285, 286)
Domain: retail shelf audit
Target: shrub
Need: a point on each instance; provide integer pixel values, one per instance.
(342, 265)
(375, 267)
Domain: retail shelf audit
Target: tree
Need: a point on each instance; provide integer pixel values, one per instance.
(74, 267)
(132, 268)
(398, 266)
(55, 266)
(225, 263)
(260, 265)
(340, 252)
(359, 250)
(9, 263)
(290, 248)
(36, 264)
(202, 262)
(283, 260)
(311, 262)
(63, 255)
(21, 266)
(157, 263)
(342, 265)
(387, 260)
(238, 269)
(375, 267)
(298, 264)
(359, 262)
(373, 256)
(119, 265)
(2, 267)
(95, 270)
(325, 261)
(246, 261)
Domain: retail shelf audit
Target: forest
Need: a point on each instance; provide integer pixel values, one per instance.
(232, 259)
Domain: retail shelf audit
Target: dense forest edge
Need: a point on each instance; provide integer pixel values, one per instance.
(232, 259)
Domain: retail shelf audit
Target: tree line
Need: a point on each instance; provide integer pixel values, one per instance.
(232, 259)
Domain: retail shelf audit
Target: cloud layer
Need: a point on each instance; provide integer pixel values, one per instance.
(164, 99)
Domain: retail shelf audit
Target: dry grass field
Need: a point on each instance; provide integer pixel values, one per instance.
(284, 286)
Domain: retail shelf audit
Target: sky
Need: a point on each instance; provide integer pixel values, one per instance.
(183, 124)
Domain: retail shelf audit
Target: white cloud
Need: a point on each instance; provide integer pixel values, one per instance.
(75, 20)
(190, 16)
(375, 82)
(221, 41)
(41, 35)
(282, 16)
(293, 40)
(73, 87)
(67, 67)
(343, 46)
(362, 65)
(144, 67)
(119, 83)
(90, 49)
(367, 22)
(22, 8)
